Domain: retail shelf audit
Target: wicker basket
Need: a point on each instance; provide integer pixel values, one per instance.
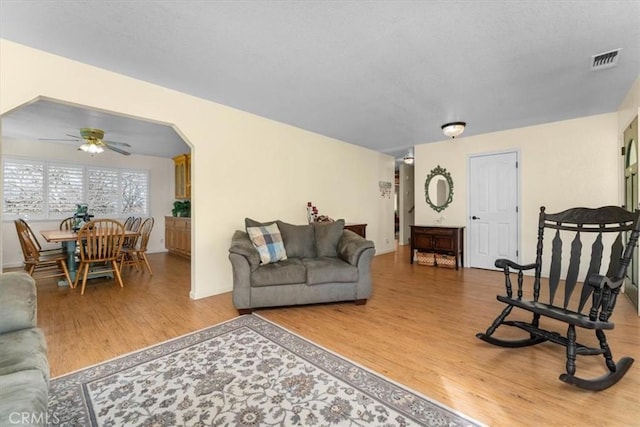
(425, 258)
(446, 261)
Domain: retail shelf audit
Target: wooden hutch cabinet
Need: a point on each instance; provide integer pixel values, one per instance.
(438, 240)
(183, 176)
(177, 235)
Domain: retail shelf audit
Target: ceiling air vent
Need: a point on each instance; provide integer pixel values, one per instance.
(605, 60)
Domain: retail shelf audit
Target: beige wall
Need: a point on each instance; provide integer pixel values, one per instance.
(629, 108)
(160, 185)
(562, 164)
(243, 164)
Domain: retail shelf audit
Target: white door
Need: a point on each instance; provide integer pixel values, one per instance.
(493, 209)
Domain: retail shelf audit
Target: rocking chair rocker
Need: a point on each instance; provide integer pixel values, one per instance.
(606, 225)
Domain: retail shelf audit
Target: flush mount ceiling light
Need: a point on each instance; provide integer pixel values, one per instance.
(453, 129)
(408, 160)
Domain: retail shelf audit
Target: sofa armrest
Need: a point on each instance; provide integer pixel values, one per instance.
(241, 245)
(18, 302)
(351, 246)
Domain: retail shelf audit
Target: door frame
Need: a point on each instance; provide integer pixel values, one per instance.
(467, 243)
(631, 292)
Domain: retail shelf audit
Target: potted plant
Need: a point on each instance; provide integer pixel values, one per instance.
(181, 208)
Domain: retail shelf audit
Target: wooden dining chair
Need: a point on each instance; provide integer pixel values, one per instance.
(127, 222)
(133, 225)
(38, 263)
(137, 255)
(67, 223)
(100, 242)
(33, 238)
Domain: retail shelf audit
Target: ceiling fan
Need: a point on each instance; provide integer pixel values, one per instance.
(93, 142)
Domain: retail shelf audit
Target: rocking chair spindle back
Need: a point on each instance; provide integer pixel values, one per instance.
(566, 294)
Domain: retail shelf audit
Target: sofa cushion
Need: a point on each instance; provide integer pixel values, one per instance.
(18, 302)
(327, 237)
(299, 240)
(329, 269)
(287, 272)
(268, 241)
(248, 222)
(23, 350)
(25, 394)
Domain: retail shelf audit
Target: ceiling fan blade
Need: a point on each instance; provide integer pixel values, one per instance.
(121, 144)
(73, 136)
(117, 150)
(58, 139)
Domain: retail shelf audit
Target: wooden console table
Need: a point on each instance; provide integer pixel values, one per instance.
(440, 240)
(360, 229)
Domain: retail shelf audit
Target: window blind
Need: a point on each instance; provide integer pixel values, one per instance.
(65, 189)
(23, 188)
(38, 189)
(135, 192)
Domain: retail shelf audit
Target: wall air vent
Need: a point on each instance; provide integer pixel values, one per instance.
(605, 60)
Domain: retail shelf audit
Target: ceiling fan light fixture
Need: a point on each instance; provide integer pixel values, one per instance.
(453, 129)
(91, 148)
(91, 134)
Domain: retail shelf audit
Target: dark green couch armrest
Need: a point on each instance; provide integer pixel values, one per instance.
(241, 245)
(351, 246)
(17, 302)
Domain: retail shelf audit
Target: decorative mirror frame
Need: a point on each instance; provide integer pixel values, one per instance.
(436, 172)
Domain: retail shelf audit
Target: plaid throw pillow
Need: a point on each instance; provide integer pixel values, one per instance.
(268, 241)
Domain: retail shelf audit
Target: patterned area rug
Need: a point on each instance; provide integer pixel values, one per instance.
(244, 372)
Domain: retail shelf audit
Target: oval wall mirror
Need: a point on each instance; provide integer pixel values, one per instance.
(438, 189)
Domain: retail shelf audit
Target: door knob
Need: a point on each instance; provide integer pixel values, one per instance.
(475, 217)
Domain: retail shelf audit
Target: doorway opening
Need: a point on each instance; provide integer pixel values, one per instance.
(26, 128)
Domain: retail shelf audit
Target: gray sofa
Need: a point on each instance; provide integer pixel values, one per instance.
(324, 263)
(24, 369)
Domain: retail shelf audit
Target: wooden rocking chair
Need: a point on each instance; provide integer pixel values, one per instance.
(609, 225)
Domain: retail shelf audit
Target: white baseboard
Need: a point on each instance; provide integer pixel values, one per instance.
(386, 251)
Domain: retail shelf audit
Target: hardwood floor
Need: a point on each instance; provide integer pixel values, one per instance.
(417, 329)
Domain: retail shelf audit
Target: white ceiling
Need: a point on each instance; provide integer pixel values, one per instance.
(47, 119)
(381, 74)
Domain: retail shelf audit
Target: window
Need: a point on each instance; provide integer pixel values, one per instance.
(23, 188)
(47, 190)
(103, 191)
(135, 185)
(65, 189)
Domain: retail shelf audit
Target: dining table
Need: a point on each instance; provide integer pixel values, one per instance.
(69, 241)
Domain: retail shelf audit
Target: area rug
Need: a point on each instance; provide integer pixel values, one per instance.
(244, 372)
